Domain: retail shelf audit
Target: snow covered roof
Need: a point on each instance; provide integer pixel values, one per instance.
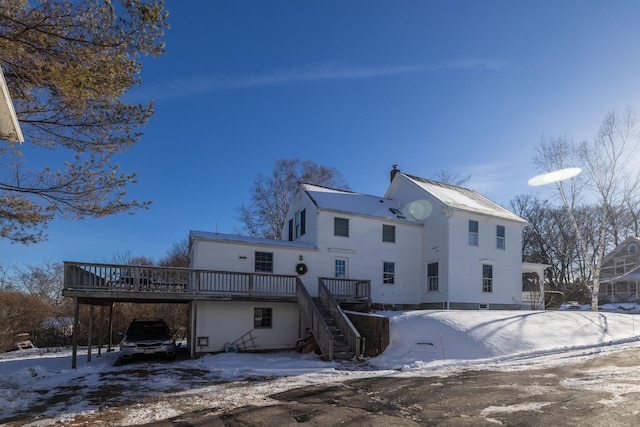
(356, 203)
(463, 198)
(207, 235)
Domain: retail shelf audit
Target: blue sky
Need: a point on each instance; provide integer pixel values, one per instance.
(467, 86)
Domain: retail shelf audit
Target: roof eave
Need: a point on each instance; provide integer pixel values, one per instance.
(9, 125)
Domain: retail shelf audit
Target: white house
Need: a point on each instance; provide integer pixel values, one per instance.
(424, 244)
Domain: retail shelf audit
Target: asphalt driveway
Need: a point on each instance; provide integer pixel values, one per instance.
(603, 391)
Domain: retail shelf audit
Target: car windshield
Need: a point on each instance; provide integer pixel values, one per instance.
(139, 330)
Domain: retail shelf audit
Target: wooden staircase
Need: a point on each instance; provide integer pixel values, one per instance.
(336, 336)
(341, 349)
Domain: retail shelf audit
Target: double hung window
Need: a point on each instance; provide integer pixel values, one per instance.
(298, 224)
(388, 233)
(500, 237)
(473, 233)
(341, 227)
(487, 278)
(432, 276)
(389, 273)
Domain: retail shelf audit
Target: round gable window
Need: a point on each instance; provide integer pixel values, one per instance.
(632, 249)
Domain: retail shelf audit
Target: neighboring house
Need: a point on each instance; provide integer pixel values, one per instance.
(620, 273)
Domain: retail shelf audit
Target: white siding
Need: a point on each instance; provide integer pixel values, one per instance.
(224, 322)
(366, 253)
(240, 256)
(460, 265)
(440, 234)
(301, 202)
(465, 274)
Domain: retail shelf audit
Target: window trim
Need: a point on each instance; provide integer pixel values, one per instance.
(298, 224)
(335, 268)
(268, 319)
(263, 263)
(487, 280)
(388, 273)
(474, 236)
(501, 240)
(433, 282)
(388, 233)
(343, 228)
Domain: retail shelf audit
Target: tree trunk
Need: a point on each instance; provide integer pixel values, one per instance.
(595, 290)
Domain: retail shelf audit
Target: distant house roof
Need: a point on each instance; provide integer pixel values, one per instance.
(622, 246)
(463, 198)
(206, 235)
(356, 203)
(9, 126)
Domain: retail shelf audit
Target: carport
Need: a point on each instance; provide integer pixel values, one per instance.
(102, 285)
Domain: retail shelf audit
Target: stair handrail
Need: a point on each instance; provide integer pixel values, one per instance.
(319, 328)
(351, 334)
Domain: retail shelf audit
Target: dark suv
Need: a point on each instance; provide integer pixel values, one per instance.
(147, 336)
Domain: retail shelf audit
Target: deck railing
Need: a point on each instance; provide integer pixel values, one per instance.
(322, 334)
(348, 289)
(351, 334)
(172, 280)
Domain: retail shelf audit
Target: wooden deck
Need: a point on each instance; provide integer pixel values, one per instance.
(93, 283)
(104, 284)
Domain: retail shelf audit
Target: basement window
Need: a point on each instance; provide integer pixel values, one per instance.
(262, 317)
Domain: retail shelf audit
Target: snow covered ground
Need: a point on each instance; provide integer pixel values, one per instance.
(42, 386)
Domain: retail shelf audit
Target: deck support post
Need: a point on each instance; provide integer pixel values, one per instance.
(100, 331)
(90, 333)
(110, 345)
(74, 352)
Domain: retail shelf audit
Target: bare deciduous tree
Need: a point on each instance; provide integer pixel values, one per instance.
(609, 184)
(178, 254)
(20, 313)
(44, 281)
(453, 178)
(270, 196)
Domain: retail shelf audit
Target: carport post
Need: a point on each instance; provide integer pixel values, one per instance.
(90, 333)
(109, 349)
(100, 327)
(74, 353)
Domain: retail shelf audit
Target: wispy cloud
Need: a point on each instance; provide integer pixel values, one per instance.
(182, 87)
(488, 178)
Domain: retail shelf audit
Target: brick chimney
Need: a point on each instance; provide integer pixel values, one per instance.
(394, 171)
